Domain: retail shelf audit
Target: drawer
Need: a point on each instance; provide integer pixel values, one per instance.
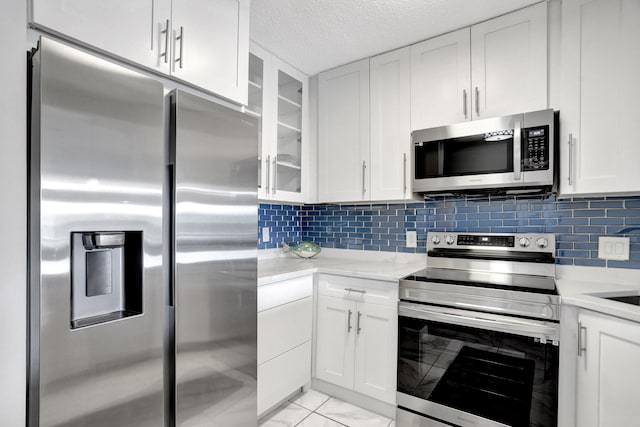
(356, 289)
(283, 327)
(278, 293)
(281, 376)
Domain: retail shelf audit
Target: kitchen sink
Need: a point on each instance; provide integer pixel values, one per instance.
(632, 298)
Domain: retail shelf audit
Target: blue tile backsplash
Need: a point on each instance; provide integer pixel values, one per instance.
(576, 222)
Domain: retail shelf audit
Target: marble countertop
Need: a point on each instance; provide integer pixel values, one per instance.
(584, 286)
(386, 266)
(578, 286)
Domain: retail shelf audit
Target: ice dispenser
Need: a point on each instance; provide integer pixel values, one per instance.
(106, 276)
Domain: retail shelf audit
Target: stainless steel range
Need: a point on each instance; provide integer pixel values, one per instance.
(478, 333)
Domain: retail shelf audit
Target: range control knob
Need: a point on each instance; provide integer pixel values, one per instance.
(450, 240)
(542, 242)
(435, 240)
(524, 242)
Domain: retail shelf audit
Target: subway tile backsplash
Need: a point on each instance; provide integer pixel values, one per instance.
(576, 222)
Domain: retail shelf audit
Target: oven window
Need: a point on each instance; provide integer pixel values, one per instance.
(473, 155)
(502, 377)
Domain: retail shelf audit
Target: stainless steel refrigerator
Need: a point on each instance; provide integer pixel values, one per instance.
(142, 250)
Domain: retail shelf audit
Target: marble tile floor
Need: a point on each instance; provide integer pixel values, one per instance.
(315, 409)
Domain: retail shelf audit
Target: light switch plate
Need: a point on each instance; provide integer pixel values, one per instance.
(265, 235)
(616, 248)
(412, 239)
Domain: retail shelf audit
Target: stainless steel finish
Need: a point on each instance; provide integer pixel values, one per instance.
(275, 175)
(444, 413)
(517, 154)
(180, 38)
(268, 162)
(550, 238)
(404, 173)
(464, 103)
(570, 159)
(166, 32)
(96, 165)
(358, 328)
(533, 179)
(542, 242)
(477, 102)
(108, 240)
(349, 321)
(216, 264)
(362, 291)
(364, 167)
(499, 301)
(524, 242)
(480, 320)
(582, 339)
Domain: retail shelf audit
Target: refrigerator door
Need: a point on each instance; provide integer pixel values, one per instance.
(95, 250)
(215, 151)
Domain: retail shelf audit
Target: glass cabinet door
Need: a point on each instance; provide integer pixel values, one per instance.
(288, 160)
(255, 108)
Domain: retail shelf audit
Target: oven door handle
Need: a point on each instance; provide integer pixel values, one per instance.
(492, 322)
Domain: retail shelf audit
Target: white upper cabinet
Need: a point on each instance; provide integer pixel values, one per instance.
(390, 125)
(440, 77)
(211, 45)
(494, 68)
(203, 43)
(600, 93)
(509, 63)
(278, 94)
(343, 133)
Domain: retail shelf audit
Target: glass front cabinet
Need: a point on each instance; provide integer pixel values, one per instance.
(278, 95)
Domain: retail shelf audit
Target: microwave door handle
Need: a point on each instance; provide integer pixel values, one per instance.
(517, 151)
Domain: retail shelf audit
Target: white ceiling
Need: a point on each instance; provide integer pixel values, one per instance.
(316, 35)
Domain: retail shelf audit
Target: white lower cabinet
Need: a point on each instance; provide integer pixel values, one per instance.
(356, 340)
(284, 339)
(608, 372)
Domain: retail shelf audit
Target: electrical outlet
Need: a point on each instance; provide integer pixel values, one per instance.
(265, 235)
(412, 239)
(613, 248)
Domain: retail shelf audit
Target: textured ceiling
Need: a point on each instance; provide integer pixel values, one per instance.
(316, 35)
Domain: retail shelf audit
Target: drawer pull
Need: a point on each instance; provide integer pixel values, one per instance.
(360, 291)
(358, 328)
(349, 322)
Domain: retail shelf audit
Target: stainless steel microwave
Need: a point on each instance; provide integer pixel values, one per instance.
(512, 154)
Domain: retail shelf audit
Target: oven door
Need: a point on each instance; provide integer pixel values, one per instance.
(469, 155)
(475, 369)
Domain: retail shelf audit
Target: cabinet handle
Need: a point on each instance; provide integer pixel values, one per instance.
(181, 38)
(349, 322)
(165, 54)
(358, 328)
(477, 102)
(364, 167)
(361, 291)
(268, 163)
(517, 147)
(464, 102)
(570, 158)
(275, 176)
(404, 172)
(582, 342)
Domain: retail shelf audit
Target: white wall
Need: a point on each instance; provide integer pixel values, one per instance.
(13, 213)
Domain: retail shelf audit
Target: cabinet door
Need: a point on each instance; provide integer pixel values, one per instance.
(440, 78)
(376, 351)
(601, 65)
(129, 29)
(343, 133)
(210, 41)
(509, 63)
(336, 331)
(608, 372)
(390, 125)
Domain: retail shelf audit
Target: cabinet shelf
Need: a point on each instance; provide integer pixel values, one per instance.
(287, 130)
(255, 85)
(252, 113)
(289, 165)
(287, 106)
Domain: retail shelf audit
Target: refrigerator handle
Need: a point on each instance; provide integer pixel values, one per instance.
(172, 234)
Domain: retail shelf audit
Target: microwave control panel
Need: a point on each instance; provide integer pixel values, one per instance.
(535, 148)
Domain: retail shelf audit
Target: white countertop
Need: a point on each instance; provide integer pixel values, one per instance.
(387, 266)
(577, 286)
